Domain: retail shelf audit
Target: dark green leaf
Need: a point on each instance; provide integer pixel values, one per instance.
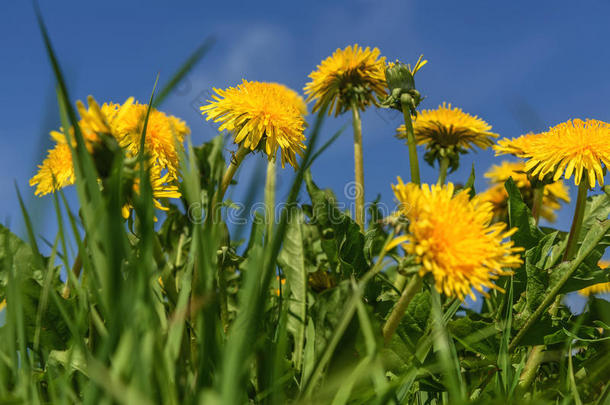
(520, 216)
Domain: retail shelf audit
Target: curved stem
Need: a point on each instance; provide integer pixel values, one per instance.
(536, 354)
(579, 214)
(76, 268)
(413, 162)
(551, 296)
(270, 198)
(531, 367)
(401, 306)
(537, 203)
(444, 166)
(236, 160)
(215, 215)
(358, 166)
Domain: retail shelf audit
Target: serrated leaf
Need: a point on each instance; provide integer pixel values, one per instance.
(477, 335)
(292, 261)
(342, 240)
(21, 256)
(520, 216)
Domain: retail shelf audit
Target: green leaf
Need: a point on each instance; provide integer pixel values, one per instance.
(415, 320)
(292, 261)
(537, 276)
(375, 236)
(470, 183)
(342, 240)
(520, 216)
(71, 360)
(589, 254)
(14, 251)
(476, 335)
(29, 283)
(597, 209)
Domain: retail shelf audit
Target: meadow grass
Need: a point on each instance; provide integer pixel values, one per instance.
(308, 309)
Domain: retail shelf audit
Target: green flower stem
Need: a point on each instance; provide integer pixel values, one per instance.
(552, 295)
(537, 203)
(444, 166)
(442, 349)
(231, 169)
(270, 198)
(537, 353)
(215, 216)
(358, 166)
(76, 268)
(531, 367)
(413, 162)
(579, 214)
(401, 306)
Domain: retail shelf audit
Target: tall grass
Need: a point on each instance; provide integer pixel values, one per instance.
(138, 321)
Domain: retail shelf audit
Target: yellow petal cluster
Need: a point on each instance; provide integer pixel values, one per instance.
(453, 238)
(161, 185)
(575, 147)
(164, 134)
(496, 194)
(124, 122)
(57, 170)
(350, 76)
(450, 126)
(264, 116)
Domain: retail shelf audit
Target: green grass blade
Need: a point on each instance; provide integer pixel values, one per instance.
(188, 65)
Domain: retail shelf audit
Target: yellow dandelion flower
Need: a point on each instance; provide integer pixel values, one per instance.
(447, 126)
(574, 147)
(57, 170)
(264, 116)
(453, 238)
(515, 146)
(600, 288)
(498, 174)
(498, 198)
(161, 185)
(2, 305)
(553, 193)
(115, 120)
(164, 134)
(351, 76)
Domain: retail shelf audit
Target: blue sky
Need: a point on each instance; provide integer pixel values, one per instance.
(521, 66)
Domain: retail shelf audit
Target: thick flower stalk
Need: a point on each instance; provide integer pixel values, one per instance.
(403, 96)
(262, 117)
(448, 132)
(454, 240)
(350, 79)
(553, 194)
